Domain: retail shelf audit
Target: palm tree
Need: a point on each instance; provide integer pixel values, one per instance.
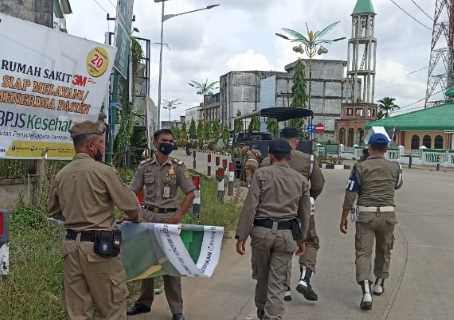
(385, 106)
(204, 88)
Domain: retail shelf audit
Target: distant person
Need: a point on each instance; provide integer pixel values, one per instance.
(277, 202)
(373, 181)
(85, 192)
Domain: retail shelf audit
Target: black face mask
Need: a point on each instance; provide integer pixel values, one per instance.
(165, 148)
(98, 156)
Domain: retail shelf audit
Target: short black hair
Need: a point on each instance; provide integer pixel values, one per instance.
(81, 139)
(379, 147)
(281, 156)
(160, 132)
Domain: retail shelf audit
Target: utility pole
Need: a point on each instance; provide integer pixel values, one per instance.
(440, 76)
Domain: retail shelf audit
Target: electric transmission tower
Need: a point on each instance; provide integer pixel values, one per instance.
(441, 69)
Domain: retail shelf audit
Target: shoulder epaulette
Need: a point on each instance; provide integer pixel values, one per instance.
(145, 161)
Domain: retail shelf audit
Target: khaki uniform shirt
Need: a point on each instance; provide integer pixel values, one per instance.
(302, 163)
(161, 182)
(374, 181)
(276, 191)
(85, 192)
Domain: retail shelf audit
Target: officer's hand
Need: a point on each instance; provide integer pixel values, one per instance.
(175, 219)
(344, 225)
(241, 247)
(301, 248)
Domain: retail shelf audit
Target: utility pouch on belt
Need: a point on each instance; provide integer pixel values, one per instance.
(297, 230)
(107, 243)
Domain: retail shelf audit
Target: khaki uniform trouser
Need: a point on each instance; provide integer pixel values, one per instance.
(309, 258)
(370, 227)
(172, 285)
(271, 253)
(93, 282)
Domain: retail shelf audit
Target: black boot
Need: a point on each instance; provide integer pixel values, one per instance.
(287, 294)
(304, 285)
(138, 309)
(366, 301)
(260, 314)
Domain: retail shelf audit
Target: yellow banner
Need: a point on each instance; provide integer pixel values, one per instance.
(34, 149)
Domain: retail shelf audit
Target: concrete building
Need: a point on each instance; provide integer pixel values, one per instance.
(50, 13)
(362, 49)
(329, 89)
(211, 107)
(194, 113)
(240, 93)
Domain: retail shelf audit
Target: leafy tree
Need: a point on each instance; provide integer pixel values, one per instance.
(192, 130)
(183, 135)
(200, 132)
(216, 129)
(225, 135)
(299, 98)
(385, 106)
(176, 133)
(272, 126)
(254, 125)
(238, 124)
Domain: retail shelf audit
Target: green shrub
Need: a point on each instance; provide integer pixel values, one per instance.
(34, 288)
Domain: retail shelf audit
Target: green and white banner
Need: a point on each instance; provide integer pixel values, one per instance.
(153, 249)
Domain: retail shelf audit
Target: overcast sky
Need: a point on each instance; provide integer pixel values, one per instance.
(239, 35)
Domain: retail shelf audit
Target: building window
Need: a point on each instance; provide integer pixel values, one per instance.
(359, 112)
(369, 112)
(342, 136)
(427, 141)
(351, 137)
(373, 113)
(349, 111)
(415, 142)
(438, 142)
(360, 136)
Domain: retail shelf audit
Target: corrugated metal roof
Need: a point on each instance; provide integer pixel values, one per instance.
(439, 118)
(364, 6)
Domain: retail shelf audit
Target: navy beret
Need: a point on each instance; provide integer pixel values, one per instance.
(280, 146)
(289, 133)
(379, 139)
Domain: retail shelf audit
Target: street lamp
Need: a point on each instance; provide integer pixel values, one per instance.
(310, 44)
(171, 105)
(164, 18)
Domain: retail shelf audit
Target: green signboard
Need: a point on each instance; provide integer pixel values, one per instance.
(122, 35)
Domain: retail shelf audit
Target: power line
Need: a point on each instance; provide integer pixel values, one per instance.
(418, 70)
(422, 10)
(408, 14)
(101, 6)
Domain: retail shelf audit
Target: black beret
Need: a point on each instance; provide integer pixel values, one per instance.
(280, 146)
(289, 133)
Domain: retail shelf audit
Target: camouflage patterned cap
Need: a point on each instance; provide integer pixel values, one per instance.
(89, 127)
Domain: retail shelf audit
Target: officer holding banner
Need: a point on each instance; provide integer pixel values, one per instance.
(161, 176)
(278, 200)
(373, 181)
(85, 193)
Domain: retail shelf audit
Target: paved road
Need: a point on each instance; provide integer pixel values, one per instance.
(422, 282)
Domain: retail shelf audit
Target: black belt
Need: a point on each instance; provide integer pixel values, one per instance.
(84, 235)
(159, 210)
(268, 223)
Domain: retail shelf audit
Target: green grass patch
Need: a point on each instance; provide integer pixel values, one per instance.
(34, 287)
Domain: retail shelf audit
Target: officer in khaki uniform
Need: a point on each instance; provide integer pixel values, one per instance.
(251, 164)
(161, 177)
(278, 200)
(85, 193)
(374, 182)
(306, 165)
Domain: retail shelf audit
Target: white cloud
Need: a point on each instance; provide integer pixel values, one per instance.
(249, 60)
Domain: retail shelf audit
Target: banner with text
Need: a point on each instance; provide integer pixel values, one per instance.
(49, 80)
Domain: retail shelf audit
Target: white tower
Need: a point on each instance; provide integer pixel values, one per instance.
(362, 49)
